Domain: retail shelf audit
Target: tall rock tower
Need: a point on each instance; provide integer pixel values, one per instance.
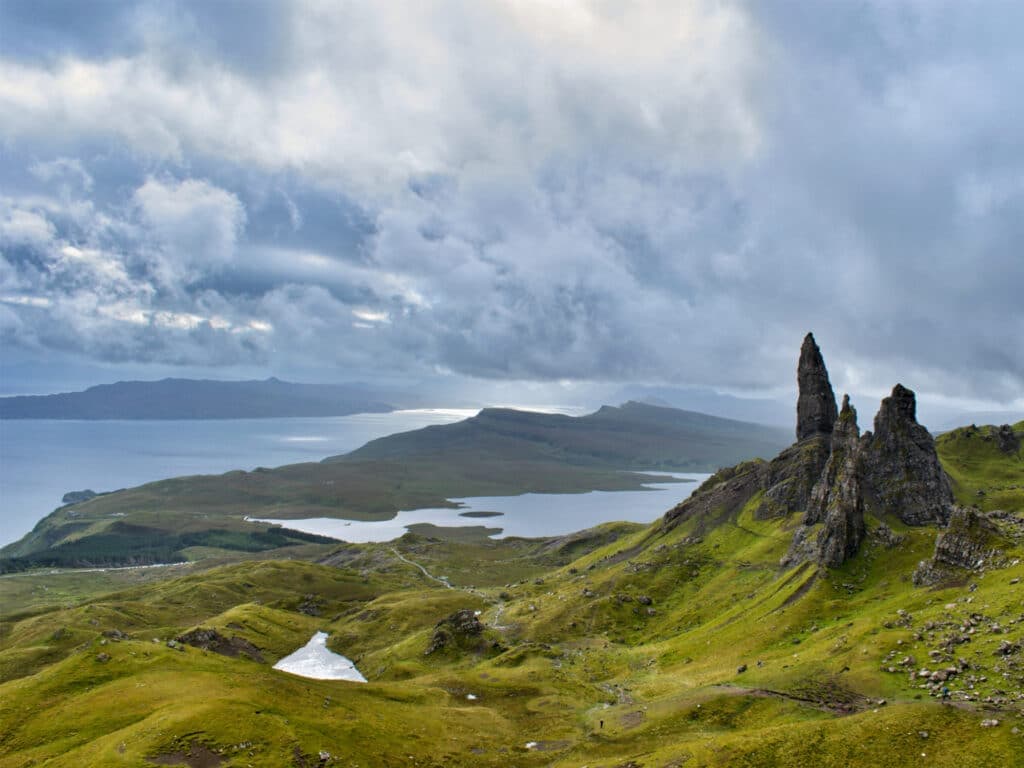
(816, 411)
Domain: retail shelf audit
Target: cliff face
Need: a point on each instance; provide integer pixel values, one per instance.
(902, 471)
(837, 500)
(832, 475)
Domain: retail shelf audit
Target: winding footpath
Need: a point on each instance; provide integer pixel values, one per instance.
(426, 573)
(499, 603)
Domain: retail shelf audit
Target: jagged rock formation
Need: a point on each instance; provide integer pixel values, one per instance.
(837, 500)
(832, 475)
(1006, 439)
(816, 405)
(902, 473)
(791, 476)
(969, 542)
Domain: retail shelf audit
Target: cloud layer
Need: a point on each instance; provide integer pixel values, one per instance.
(668, 192)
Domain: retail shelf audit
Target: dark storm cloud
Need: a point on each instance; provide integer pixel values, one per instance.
(658, 192)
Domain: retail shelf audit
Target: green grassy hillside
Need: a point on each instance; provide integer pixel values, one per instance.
(986, 464)
(658, 646)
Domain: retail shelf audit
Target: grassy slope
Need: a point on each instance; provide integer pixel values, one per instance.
(982, 475)
(497, 453)
(571, 651)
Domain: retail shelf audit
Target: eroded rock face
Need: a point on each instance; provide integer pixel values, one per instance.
(836, 502)
(902, 473)
(791, 477)
(212, 640)
(816, 406)
(838, 499)
(1006, 439)
(970, 542)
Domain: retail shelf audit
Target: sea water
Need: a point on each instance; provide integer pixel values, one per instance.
(41, 460)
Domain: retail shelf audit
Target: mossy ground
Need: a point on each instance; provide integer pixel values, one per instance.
(624, 647)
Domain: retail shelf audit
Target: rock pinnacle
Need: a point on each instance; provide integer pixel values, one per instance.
(816, 411)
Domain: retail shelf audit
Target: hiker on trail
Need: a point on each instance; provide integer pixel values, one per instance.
(602, 724)
(945, 693)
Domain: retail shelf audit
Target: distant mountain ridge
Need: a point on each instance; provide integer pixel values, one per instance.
(631, 436)
(199, 399)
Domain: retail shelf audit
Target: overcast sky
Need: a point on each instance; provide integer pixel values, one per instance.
(543, 193)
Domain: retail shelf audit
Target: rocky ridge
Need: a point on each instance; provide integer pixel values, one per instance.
(836, 478)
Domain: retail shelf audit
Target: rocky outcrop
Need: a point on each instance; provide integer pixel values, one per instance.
(1006, 439)
(791, 476)
(902, 473)
(836, 502)
(816, 405)
(838, 499)
(212, 640)
(77, 497)
(832, 476)
(969, 543)
(457, 630)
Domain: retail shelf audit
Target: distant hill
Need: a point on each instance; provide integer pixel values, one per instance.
(632, 436)
(198, 399)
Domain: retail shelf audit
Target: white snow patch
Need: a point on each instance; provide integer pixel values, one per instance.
(313, 660)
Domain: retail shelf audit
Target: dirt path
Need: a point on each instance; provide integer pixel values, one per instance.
(425, 572)
(499, 603)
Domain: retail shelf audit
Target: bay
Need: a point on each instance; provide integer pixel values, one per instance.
(41, 460)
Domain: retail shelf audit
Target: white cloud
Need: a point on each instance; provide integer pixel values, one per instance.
(369, 316)
(388, 91)
(579, 190)
(19, 226)
(195, 225)
(63, 168)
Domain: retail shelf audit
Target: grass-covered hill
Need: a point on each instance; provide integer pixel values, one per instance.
(632, 436)
(499, 452)
(683, 643)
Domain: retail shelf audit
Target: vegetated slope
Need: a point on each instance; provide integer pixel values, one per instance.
(704, 639)
(632, 436)
(986, 464)
(689, 642)
(200, 399)
(499, 452)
